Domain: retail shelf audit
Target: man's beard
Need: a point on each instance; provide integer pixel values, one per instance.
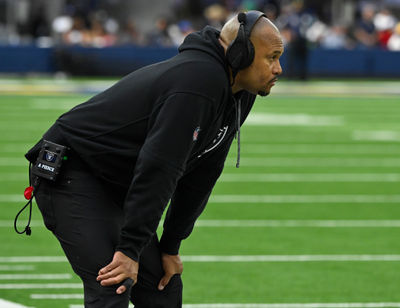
(263, 93)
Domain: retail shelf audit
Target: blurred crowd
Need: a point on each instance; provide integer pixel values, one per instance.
(373, 26)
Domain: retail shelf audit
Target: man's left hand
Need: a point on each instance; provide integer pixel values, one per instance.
(172, 265)
(121, 268)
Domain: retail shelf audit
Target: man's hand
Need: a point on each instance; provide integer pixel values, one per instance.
(172, 265)
(122, 267)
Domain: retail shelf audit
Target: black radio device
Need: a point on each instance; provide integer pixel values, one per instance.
(49, 161)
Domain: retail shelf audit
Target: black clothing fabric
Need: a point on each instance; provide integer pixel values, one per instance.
(160, 134)
(87, 224)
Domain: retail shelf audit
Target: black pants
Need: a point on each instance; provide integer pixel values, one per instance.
(86, 220)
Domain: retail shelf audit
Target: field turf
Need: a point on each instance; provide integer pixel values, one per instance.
(311, 219)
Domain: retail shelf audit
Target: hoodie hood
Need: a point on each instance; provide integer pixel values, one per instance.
(207, 41)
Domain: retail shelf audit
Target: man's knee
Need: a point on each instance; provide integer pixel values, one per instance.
(170, 297)
(97, 296)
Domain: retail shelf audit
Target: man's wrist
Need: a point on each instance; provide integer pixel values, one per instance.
(131, 254)
(169, 245)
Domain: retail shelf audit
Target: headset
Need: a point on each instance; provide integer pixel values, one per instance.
(240, 52)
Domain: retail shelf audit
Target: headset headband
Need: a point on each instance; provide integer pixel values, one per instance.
(249, 19)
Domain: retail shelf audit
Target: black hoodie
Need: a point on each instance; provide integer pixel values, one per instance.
(161, 133)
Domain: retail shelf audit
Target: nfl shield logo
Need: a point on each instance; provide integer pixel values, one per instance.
(196, 133)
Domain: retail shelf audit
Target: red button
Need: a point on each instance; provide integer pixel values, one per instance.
(28, 192)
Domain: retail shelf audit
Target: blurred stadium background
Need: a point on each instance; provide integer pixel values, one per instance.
(311, 219)
(113, 37)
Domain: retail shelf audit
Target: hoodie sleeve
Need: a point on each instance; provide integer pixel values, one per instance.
(160, 164)
(191, 197)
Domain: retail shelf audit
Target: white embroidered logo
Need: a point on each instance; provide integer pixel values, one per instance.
(217, 140)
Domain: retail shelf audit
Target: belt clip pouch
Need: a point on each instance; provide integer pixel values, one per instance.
(49, 161)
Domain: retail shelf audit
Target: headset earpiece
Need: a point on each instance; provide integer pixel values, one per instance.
(240, 52)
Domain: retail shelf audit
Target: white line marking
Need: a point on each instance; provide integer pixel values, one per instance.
(17, 268)
(81, 306)
(35, 276)
(310, 177)
(272, 223)
(292, 258)
(376, 135)
(205, 258)
(313, 162)
(299, 305)
(299, 223)
(313, 148)
(305, 199)
(22, 286)
(272, 198)
(56, 296)
(12, 198)
(10, 223)
(279, 119)
(8, 304)
(33, 259)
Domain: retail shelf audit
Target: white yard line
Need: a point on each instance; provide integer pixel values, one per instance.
(292, 119)
(325, 148)
(17, 268)
(10, 223)
(81, 306)
(269, 199)
(33, 259)
(56, 296)
(310, 177)
(376, 135)
(344, 162)
(305, 199)
(293, 258)
(12, 198)
(299, 223)
(277, 177)
(271, 223)
(299, 305)
(35, 276)
(206, 258)
(23, 286)
(8, 304)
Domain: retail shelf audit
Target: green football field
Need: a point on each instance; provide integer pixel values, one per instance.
(311, 219)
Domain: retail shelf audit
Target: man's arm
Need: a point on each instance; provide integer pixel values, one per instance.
(160, 164)
(190, 198)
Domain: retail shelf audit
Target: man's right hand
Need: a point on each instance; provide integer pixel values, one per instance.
(121, 267)
(172, 265)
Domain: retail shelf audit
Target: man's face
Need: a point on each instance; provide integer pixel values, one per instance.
(262, 74)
